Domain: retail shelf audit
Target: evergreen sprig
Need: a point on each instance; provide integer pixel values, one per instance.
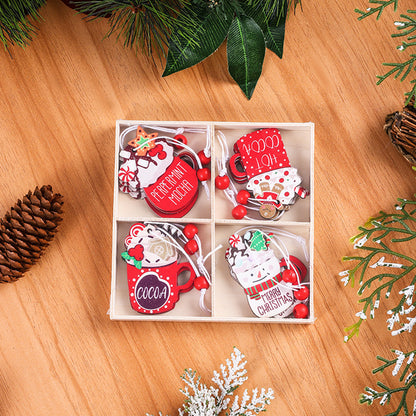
(382, 4)
(248, 26)
(144, 25)
(406, 28)
(379, 244)
(407, 376)
(213, 401)
(192, 30)
(17, 21)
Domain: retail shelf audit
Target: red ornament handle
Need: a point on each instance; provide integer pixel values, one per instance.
(237, 170)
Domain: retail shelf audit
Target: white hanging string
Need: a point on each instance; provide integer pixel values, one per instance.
(181, 130)
(222, 162)
(200, 267)
(178, 143)
(124, 134)
(232, 191)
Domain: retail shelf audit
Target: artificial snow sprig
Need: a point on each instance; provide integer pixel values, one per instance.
(407, 375)
(378, 9)
(406, 28)
(202, 400)
(375, 242)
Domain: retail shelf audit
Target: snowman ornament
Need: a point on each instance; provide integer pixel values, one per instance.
(254, 265)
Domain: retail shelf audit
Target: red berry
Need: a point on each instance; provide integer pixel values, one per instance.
(180, 138)
(302, 293)
(239, 212)
(242, 197)
(136, 252)
(289, 276)
(203, 158)
(222, 182)
(191, 247)
(300, 311)
(203, 174)
(201, 283)
(190, 230)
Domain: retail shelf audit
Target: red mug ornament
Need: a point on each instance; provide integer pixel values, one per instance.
(152, 169)
(261, 161)
(155, 290)
(153, 270)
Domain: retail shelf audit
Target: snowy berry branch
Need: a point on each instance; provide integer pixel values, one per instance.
(202, 400)
(379, 242)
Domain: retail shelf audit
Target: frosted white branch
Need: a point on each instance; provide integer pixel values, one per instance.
(210, 401)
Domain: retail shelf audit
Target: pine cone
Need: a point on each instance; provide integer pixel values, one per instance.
(401, 128)
(26, 231)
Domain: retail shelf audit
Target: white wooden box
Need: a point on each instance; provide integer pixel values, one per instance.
(225, 298)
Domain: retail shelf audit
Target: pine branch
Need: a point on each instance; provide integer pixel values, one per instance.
(379, 9)
(406, 28)
(385, 394)
(273, 9)
(211, 401)
(375, 241)
(144, 25)
(17, 21)
(411, 95)
(398, 69)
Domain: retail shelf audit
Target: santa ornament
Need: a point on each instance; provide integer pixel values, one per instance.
(162, 170)
(261, 163)
(156, 255)
(274, 286)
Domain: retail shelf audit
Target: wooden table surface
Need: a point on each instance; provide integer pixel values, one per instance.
(60, 353)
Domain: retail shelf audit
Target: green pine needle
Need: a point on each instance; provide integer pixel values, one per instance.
(17, 21)
(401, 366)
(407, 29)
(381, 267)
(379, 9)
(273, 9)
(144, 25)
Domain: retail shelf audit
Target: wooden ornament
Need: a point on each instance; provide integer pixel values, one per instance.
(261, 161)
(150, 169)
(153, 270)
(254, 265)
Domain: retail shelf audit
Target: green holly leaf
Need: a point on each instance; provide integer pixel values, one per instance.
(245, 53)
(273, 27)
(188, 49)
(137, 263)
(275, 36)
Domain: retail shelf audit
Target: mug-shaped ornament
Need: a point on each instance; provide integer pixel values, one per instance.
(151, 169)
(176, 190)
(153, 270)
(154, 290)
(260, 159)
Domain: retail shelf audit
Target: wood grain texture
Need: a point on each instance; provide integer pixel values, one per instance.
(60, 353)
